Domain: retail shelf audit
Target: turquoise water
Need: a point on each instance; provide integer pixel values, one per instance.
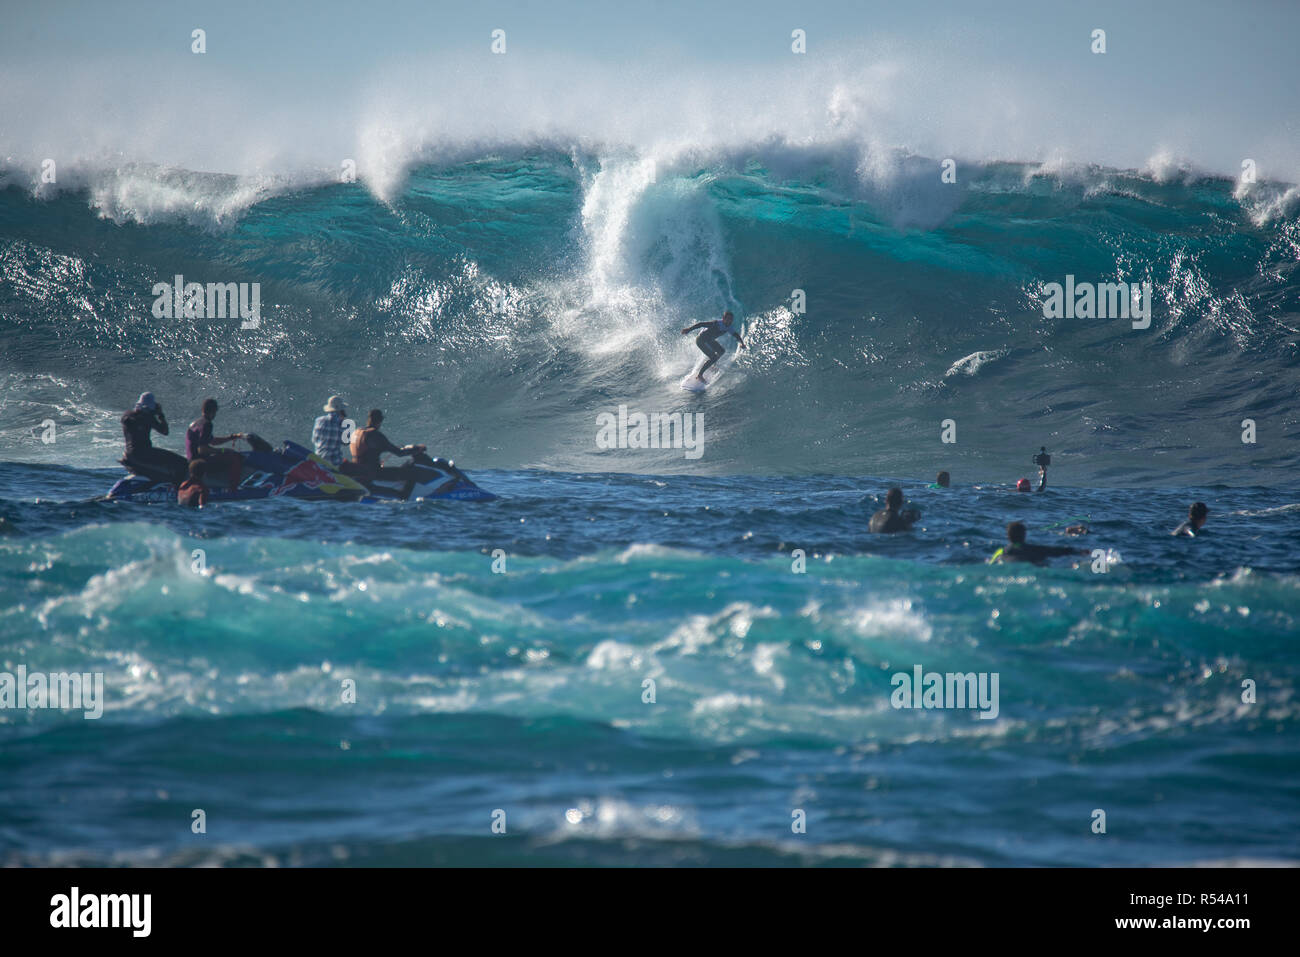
(496, 307)
(523, 691)
(374, 683)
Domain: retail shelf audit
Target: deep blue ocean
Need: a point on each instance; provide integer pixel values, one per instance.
(499, 653)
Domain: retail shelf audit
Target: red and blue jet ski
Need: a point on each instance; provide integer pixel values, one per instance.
(297, 472)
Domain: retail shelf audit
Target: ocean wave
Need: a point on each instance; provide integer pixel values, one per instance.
(518, 295)
(192, 627)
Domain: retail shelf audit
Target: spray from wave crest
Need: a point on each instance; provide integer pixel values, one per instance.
(115, 132)
(511, 297)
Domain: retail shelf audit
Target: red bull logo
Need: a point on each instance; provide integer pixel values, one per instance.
(308, 473)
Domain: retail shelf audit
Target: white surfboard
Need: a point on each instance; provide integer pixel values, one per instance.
(692, 384)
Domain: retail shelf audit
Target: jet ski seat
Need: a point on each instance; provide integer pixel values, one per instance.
(154, 473)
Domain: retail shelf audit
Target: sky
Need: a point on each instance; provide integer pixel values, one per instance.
(290, 82)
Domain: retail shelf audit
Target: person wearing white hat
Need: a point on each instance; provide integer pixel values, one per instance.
(147, 417)
(327, 433)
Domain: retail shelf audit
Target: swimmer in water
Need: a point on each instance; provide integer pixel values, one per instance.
(1018, 550)
(893, 518)
(192, 493)
(942, 480)
(1197, 513)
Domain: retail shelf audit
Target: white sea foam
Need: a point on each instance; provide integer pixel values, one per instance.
(877, 116)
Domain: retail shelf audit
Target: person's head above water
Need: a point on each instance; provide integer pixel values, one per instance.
(942, 479)
(1197, 513)
(374, 419)
(894, 498)
(1016, 533)
(1022, 485)
(198, 468)
(209, 408)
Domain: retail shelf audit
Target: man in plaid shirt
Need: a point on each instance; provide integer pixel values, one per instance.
(327, 434)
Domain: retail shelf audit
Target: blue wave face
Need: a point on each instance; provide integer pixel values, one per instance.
(496, 307)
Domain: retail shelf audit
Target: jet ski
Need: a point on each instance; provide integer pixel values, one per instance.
(427, 478)
(297, 472)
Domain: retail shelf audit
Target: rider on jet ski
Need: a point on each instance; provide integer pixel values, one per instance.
(141, 456)
(200, 443)
(368, 445)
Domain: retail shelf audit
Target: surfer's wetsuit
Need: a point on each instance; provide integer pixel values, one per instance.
(1034, 554)
(136, 426)
(1197, 514)
(888, 521)
(708, 341)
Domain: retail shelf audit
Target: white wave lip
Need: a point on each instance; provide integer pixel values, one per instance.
(887, 107)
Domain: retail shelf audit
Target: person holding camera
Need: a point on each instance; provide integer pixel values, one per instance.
(147, 417)
(1042, 460)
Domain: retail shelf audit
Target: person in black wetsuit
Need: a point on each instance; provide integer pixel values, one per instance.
(1197, 513)
(1018, 550)
(147, 417)
(893, 518)
(1042, 460)
(708, 339)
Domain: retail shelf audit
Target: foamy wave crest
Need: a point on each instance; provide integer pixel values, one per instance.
(879, 115)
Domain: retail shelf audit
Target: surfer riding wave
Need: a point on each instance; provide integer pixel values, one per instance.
(708, 339)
